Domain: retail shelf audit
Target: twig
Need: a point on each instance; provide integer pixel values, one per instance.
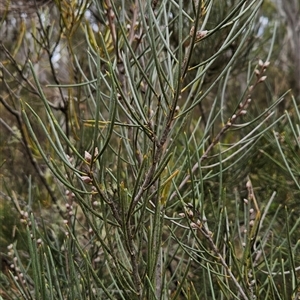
(242, 110)
(208, 235)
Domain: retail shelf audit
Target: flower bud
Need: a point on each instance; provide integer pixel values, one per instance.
(192, 31)
(194, 225)
(262, 79)
(201, 34)
(86, 179)
(87, 156)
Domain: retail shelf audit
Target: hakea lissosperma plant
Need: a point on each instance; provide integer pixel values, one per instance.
(149, 190)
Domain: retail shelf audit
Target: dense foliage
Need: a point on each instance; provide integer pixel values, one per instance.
(149, 150)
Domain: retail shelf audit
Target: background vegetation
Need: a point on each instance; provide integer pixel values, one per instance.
(149, 149)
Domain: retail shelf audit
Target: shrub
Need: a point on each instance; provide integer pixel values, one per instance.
(142, 150)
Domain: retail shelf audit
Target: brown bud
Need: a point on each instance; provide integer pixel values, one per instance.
(86, 179)
(192, 31)
(190, 213)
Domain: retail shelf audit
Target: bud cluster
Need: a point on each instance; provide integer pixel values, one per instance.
(14, 266)
(89, 159)
(196, 222)
(243, 106)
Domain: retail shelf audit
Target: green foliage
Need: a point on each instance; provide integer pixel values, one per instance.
(149, 159)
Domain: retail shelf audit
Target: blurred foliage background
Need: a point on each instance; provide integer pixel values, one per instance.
(149, 149)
